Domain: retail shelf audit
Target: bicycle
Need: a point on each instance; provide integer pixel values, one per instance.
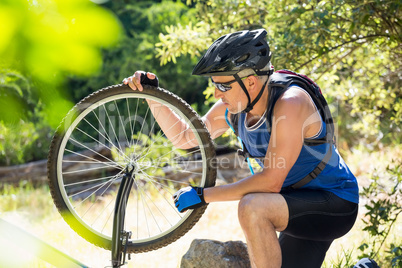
(109, 156)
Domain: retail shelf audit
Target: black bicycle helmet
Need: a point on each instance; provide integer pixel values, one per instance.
(234, 52)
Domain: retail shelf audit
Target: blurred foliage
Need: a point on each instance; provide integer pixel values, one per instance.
(383, 204)
(143, 21)
(40, 43)
(45, 40)
(15, 99)
(23, 142)
(24, 133)
(352, 49)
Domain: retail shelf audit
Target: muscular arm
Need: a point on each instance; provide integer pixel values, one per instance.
(178, 131)
(284, 148)
(175, 129)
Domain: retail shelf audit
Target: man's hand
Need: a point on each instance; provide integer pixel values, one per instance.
(189, 198)
(141, 78)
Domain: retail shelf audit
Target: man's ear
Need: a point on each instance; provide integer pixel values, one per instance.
(252, 82)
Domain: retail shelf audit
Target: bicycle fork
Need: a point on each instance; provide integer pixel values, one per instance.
(120, 237)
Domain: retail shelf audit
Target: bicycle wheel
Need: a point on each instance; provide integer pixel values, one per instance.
(107, 131)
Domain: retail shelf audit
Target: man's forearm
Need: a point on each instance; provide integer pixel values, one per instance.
(175, 129)
(258, 183)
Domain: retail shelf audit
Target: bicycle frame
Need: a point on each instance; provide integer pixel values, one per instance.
(120, 236)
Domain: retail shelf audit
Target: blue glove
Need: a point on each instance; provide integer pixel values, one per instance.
(189, 198)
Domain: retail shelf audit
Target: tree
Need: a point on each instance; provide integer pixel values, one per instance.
(352, 49)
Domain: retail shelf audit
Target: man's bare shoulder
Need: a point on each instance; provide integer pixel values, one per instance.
(296, 106)
(294, 100)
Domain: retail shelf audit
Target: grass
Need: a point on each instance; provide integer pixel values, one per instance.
(32, 209)
(53, 230)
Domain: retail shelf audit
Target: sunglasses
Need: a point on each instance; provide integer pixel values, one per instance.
(226, 86)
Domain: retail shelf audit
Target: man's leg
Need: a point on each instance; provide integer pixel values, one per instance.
(302, 253)
(316, 219)
(314, 216)
(261, 215)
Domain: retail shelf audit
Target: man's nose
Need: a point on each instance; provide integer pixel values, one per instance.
(218, 94)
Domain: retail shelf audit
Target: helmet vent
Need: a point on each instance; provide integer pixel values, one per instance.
(233, 38)
(259, 44)
(263, 52)
(245, 41)
(243, 58)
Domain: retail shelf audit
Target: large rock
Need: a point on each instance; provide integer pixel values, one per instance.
(215, 254)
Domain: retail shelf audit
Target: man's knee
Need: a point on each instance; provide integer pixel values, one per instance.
(262, 208)
(250, 210)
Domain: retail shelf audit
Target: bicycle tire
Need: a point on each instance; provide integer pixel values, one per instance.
(68, 202)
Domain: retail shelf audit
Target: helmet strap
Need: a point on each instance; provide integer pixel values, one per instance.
(250, 104)
(238, 79)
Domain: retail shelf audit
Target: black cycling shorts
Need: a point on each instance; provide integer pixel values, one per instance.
(316, 218)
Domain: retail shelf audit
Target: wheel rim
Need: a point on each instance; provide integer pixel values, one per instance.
(91, 200)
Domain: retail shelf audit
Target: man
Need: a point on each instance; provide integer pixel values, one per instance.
(308, 217)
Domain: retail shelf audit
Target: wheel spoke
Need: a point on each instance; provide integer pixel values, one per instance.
(85, 156)
(101, 195)
(132, 127)
(97, 186)
(120, 120)
(101, 155)
(170, 203)
(174, 150)
(87, 181)
(142, 125)
(89, 169)
(150, 210)
(170, 180)
(100, 133)
(111, 125)
(159, 136)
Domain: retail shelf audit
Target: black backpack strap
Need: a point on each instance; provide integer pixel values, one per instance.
(313, 174)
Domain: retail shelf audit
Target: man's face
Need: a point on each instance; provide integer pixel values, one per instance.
(234, 99)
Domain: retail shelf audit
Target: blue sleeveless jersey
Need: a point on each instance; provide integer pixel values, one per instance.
(336, 176)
